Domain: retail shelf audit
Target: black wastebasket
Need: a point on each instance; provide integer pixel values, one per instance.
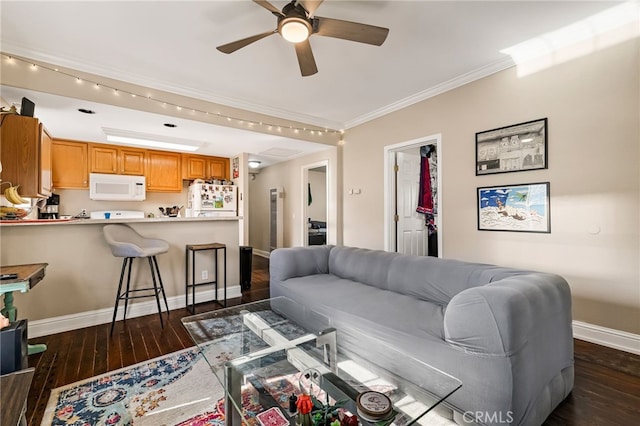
(246, 253)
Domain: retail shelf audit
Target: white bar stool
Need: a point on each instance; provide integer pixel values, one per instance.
(127, 243)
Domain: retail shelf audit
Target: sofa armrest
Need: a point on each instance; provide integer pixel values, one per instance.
(505, 316)
(285, 263)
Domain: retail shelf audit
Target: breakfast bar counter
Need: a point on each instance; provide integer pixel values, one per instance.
(82, 276)
(49, 222)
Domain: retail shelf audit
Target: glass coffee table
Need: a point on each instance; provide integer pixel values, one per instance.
(265, 361)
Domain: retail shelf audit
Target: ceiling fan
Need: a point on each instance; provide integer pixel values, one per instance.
(296, 23)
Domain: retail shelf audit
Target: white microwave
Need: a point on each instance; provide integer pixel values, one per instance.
(116, 187)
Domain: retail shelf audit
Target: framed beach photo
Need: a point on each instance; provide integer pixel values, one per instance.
(517, 208)
(516, 148)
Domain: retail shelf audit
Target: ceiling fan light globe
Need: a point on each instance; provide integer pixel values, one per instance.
(295, 30)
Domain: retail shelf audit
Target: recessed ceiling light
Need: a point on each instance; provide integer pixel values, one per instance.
(86, 111)
(170, 125)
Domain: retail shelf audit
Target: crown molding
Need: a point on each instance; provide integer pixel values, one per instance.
(431, 92)
(146, 81)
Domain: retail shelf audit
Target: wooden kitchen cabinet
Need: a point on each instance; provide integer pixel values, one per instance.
(218, 167)
(69, 161)
(164, 171)
(204, 167)
(25, 153)
(116, 160)
(132, 161)
(194, 166)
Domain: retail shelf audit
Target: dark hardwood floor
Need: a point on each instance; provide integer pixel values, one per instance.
(606, 392)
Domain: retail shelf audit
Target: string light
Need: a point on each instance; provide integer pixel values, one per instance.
(239, 121)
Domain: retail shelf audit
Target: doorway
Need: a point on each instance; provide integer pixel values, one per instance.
(315, 203)
(406, 231)
(276, 218)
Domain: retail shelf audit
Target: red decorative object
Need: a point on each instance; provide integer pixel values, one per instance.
(304, 404)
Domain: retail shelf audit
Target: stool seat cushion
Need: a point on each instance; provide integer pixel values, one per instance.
(126, 242)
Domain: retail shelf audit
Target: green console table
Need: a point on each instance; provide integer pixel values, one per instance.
(28, 276)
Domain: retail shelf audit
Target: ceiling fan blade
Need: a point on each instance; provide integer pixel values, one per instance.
(353, 31)
(271, 8)
(305, 58)
(238, 44)
(310, 5)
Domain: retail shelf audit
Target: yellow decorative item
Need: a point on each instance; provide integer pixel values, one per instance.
(12, 195)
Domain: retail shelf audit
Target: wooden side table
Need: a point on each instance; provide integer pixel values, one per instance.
(14, 389)
(28, 276)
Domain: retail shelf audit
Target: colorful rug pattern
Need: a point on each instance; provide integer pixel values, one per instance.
(134, 396)
(176, 389)
(105, 400)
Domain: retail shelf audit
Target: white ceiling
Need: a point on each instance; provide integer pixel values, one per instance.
(170, 45)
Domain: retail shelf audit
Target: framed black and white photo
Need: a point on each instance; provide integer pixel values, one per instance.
(514, 148)
(518, 208)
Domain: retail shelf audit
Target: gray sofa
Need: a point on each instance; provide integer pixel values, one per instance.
(505, 333)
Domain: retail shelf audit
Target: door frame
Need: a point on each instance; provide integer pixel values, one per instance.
(390, 187)
(304, 230)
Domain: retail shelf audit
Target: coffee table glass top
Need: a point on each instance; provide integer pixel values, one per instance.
(262, 358)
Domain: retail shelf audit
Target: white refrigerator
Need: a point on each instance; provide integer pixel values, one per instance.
(211, 200)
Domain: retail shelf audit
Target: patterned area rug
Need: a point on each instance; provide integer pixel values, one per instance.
(178, 389)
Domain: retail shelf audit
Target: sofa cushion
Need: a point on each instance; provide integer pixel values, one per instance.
(332, 295)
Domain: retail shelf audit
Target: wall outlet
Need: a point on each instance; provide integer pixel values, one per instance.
(205, 275)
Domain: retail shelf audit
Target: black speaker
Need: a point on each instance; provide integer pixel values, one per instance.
(27, 108)
(13, 347)
(246, 253)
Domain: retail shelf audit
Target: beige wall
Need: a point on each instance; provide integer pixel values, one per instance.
(592, 104)
(288, 176)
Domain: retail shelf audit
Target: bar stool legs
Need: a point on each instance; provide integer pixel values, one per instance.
(151, 291)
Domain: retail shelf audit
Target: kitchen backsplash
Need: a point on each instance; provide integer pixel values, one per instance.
(72, 201)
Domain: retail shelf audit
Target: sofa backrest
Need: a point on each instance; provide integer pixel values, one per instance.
(439, 280)
(426, 278)
(361, 265)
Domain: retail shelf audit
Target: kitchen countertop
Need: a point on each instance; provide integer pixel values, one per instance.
(67, 222)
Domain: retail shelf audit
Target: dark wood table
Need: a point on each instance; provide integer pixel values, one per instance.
(28, 276)
(14, 389)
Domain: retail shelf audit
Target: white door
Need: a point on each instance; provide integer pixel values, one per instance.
(411, 231)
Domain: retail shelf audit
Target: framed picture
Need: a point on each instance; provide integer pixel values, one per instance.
(515, 148)
(518, 208)
(235, 166)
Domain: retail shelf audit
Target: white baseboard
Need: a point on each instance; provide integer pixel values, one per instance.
(64, 323)
(261, 253)
(609, 337)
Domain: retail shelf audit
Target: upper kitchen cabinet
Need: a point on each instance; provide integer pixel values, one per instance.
(204, 167)
(116, 160)
(218, 167)
(69, 164)
(163, 171)
(25, 153)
